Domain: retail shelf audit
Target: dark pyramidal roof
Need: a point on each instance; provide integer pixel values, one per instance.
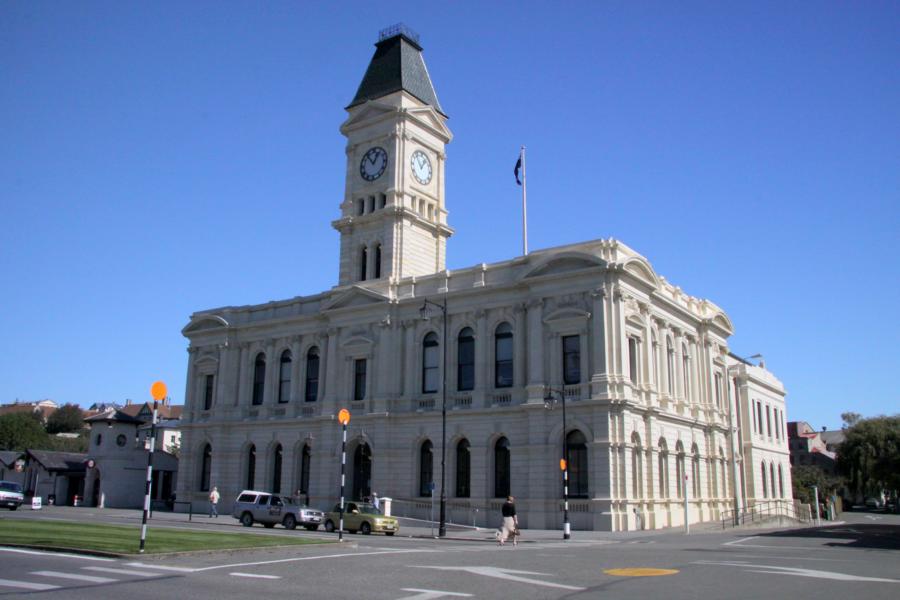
(397, 65)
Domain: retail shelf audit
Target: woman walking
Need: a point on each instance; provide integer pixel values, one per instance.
(510, 521)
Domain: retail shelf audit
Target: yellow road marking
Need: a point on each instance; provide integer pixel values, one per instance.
(640, 572)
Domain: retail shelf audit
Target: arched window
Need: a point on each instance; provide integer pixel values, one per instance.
(465, 360)
(501, 468)
(277, 457)
(312, 374)
(205, 468)
(695, 470)
(363, 259)
(663, 460)
(765, 485)
(463, 469)
(259, 378)
(503, 356)
(637, 467)
(686, 369)
(362, 472)
(305, 464)
(576, 444)
(284, 378)
(426, 468)
(680, 485)
(430, 372)
(251, 468)
(377, 261)
(670, 368)
(780, 482)
(772, 477)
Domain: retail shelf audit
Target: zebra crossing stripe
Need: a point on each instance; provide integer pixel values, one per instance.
(75, 576)
(38, 587)
(122, 571)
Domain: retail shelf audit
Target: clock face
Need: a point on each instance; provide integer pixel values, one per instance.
(373, 163)
(421, 167)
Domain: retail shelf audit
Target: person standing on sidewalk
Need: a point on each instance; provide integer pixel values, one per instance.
(213, 503)
(510, 521)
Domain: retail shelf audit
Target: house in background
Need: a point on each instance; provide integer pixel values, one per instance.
(12, 466)
(43, 408)
(57, 477)
(118, 451)
(810, 447)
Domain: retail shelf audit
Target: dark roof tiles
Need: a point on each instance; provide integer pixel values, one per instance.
(397, 65)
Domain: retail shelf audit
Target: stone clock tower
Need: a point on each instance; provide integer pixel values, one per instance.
(393, 220)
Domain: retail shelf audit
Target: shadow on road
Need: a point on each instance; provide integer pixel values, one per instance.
(858, 535)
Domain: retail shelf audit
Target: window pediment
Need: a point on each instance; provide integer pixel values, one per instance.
(353, 298)
(565, 263)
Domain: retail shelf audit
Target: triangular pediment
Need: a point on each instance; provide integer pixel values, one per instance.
(204, 323)
(355, 297)
(430, 118)
(368, 112)
(565, 263)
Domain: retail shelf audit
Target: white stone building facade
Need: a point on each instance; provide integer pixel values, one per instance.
(645, 369)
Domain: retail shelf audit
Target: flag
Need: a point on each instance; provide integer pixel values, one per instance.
(516, 170)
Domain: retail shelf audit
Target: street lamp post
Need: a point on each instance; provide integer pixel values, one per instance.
(564, 464)
(442, 525)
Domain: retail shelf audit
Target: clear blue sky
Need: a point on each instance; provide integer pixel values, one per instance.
(160, 158)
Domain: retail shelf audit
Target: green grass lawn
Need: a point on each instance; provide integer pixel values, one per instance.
(126, 540)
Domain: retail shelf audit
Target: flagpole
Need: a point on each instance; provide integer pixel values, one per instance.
(524, 209)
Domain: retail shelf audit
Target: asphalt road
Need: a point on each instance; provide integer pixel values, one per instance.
(859, 559)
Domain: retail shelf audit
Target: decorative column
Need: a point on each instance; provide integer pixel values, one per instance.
(519, 349)
(242, 395)
(191, 385)
(296, 360)
(270, 390)
(600, 366)
(482, 371)
(534, 310)
(330, 370)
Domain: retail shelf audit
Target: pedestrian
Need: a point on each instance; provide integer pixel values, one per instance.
(213, 503)
(375, 501)
(510, 525)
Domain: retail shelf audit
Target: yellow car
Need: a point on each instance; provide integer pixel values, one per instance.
(362, 517)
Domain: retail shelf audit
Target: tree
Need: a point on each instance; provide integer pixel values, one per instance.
(19, 431)
(850, 419)
(870, 455)
(804, 477)
(66, 419)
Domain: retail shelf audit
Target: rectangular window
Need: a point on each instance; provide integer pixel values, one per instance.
(503, 367)
(719, 390)
(571, 359)
(465, 376)
(430, 372)
(312, 375)
(759, 424)
(359, 379)
(769, 420)
(208, 392)
(633, 359)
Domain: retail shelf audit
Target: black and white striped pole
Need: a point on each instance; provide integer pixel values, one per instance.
(343, 419)
(564, 461)
(158, 391)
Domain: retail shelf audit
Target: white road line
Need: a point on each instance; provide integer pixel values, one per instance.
(61, 554)
(75, 576)
(162, 567)
(797, 572)
(254, 575)
(121, 571)
(27, 585)
(430, 594)
(508, 574)
(733, 542)
(301, 558)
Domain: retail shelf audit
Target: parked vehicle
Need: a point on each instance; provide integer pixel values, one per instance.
(272, 509)
(362, 517)
(11, 495)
